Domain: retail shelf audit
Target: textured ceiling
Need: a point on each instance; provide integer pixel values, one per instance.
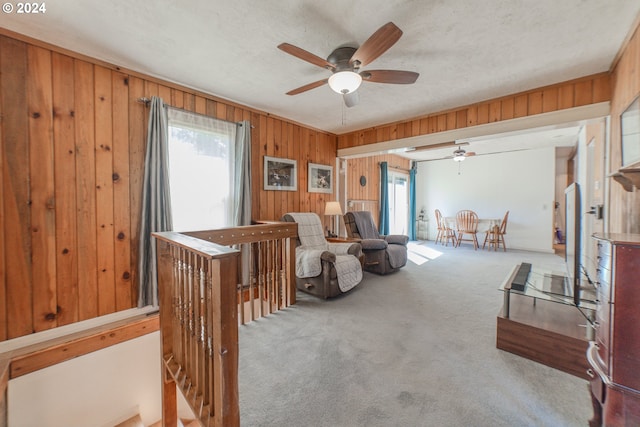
(465, 51)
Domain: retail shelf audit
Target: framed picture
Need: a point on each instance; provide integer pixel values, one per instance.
(280, 174)
(630, 126)
(320, 178)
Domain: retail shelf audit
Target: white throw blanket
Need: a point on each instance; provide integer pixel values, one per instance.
(313, 243)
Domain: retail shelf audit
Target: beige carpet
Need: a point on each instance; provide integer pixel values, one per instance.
(415, 348)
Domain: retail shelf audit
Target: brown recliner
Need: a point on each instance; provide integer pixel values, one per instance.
(382, 254)
(327, 283)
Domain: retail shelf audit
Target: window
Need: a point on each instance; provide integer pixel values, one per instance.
(201, 170)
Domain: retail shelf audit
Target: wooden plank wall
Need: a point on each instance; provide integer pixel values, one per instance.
(624, 207)
(574, 93)
(369, 167)
(72, 144)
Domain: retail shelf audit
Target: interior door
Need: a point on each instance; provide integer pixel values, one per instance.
(398, 185)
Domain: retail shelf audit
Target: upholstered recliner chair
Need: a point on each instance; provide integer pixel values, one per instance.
(323, 269)
(382, 254)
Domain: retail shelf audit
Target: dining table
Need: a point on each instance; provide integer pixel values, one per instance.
(484, 224)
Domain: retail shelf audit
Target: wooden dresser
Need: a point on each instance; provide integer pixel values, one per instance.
(614, 354)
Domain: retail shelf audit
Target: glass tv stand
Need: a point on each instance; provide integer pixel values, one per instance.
(542, 323)
(546, 284)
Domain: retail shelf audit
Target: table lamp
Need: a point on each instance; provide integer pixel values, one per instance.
(333, 209)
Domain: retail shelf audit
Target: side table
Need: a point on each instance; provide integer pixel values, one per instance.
(422, 229)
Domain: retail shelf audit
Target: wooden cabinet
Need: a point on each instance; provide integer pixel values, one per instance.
(614, 355)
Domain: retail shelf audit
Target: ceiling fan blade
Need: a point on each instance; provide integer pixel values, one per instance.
(351, 99)
(390, 76)
(308, 87)
(433, 160)
(377, 44)
(306, 56)
(439, 145)
(470, 153)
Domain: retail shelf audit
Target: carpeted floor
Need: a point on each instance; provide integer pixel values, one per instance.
(415, 348)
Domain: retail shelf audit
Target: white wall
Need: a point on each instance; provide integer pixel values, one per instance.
(561, 183)
(522, 182)
(101, 388)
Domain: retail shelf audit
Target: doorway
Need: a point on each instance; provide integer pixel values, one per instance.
(398, 188)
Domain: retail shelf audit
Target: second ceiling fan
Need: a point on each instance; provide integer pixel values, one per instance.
(345, 63)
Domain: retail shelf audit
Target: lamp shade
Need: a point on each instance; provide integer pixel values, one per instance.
(345, 81)
(333, 208)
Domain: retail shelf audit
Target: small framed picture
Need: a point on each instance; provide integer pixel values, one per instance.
(320, 178)
(280, 174)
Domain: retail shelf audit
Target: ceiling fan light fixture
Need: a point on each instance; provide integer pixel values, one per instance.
(344, 82)
(459, 155)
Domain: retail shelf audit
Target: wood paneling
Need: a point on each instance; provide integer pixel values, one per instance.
(85, 192)
(574, 93)
(137, 136)
(121, 192)
(15, 185)
(369, 167)
(41, 182)
(65, 195)
(105, 202)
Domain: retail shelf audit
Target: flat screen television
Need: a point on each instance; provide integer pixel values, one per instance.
(572, 239)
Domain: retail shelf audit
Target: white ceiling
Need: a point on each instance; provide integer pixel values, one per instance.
(465, 51)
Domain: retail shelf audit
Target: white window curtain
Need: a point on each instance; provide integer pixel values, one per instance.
(202, 154)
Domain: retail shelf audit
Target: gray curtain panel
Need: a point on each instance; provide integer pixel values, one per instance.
(383, 226)
(156, 201)
(242, 190)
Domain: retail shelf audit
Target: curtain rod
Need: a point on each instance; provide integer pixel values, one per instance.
(396, 168)
(146, 101)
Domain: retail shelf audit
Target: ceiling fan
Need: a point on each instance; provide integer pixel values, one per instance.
(345, 63)
(459, 154)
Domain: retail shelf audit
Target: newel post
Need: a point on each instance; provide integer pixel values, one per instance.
(165, 278)
(225, 326)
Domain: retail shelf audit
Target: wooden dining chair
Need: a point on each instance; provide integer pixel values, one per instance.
(445, 234)
(439, 227)
(467, 223)
(495, 235)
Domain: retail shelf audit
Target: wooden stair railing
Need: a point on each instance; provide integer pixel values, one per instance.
(198, 328)
(200, 286)
(203, 290)
(266, 272)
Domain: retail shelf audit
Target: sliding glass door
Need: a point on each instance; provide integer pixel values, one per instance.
(398, 185)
